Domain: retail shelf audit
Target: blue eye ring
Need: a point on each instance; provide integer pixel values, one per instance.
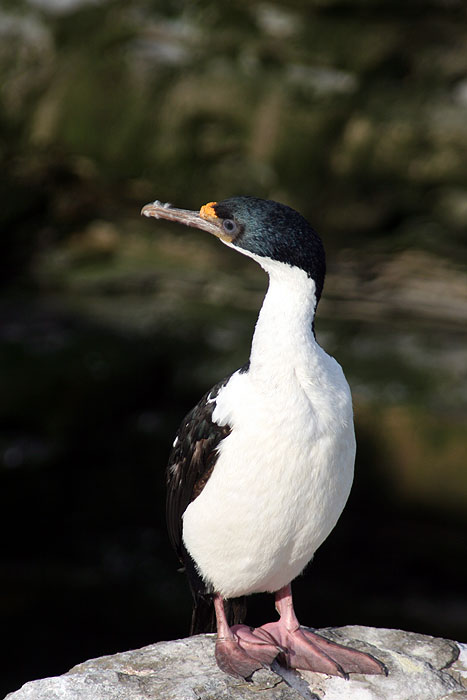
(230, 226)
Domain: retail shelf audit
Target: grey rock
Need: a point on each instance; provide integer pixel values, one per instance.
(420, 668)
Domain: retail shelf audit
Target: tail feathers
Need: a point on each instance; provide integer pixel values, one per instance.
(203, 618)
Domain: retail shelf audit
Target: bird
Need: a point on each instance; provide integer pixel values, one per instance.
(261, 468)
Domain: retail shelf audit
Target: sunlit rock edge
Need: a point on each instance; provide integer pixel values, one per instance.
(420, 668)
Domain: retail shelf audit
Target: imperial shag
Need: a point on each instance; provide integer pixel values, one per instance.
(262, 467)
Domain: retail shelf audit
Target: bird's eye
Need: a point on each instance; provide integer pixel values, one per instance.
(230, 226)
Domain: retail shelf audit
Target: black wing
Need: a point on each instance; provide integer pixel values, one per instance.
(191, 462)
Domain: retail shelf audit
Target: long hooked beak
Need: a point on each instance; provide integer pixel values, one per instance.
(205, 219)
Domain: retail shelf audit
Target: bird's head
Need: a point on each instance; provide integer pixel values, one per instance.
(259, 228)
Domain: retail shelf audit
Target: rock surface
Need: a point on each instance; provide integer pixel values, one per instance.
(420, 668)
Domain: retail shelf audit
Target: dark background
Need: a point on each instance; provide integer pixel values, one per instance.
(113, 326)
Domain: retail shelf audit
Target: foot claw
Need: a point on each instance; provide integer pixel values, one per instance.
(306, 650)
(352, 660)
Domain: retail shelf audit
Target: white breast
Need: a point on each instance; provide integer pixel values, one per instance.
(284, 473)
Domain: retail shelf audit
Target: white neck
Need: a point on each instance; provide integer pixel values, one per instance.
(283, 340)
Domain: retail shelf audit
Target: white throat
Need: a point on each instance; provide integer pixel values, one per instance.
(283, 340)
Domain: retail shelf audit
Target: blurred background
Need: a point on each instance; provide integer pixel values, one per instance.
(113, 326)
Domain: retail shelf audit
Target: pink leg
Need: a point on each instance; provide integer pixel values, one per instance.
(239, 651)
(309, 651)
